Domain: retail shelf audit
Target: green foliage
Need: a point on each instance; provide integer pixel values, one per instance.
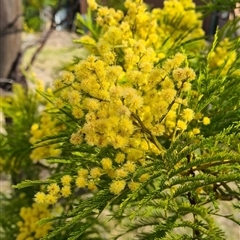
(10, 207)
(183, 175)
(218, 5)
(21, 109)
(32, 11)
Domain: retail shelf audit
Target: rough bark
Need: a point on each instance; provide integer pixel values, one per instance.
(10, 34)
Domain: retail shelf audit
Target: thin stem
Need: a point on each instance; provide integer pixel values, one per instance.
(40, 47)
(151, 137)
(45, 38)
(192, 200)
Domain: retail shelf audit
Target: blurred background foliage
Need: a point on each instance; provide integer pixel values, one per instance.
(37, 12)
(33, 20)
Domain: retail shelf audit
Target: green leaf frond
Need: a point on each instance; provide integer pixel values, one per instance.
(230, 28)
(88, 22)
(59, 160)
(219, 144)
(145, 197)
(202, 229)
(205, 163)
(138, 226)
(75, 235)
(217, 5)
(175, 236)
(83, 209)
(216, 89)
(52, 139)
(21, 109)
(29, 183)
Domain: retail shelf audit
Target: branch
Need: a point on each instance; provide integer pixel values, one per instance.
(11, 24)
(43, 41)
(11, 31)
(192, 200)
(217, 163)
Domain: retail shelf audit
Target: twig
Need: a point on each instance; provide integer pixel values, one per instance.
(151, 137)
(42, 43)
(11, 24)
(45, 38)
(192, 200)
(11, 31)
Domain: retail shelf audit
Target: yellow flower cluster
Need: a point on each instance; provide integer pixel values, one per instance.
(54, 192)
(221, 57)
(118, 169)
(122, 97)
(200, 120)
(177, 19)
(28, 228)
(116, 102)
(48, 126)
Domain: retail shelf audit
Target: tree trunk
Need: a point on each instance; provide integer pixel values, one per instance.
(10, 41)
